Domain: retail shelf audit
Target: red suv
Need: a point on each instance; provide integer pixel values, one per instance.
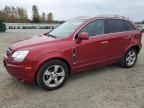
(76, 45)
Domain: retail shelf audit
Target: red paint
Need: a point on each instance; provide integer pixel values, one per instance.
(89, 52)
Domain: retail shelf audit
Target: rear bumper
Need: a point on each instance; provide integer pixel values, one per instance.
(20, 72)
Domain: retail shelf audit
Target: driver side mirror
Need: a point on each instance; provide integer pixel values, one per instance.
(82, 36)
(140, 29)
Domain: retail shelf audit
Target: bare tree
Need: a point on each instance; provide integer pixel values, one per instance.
(43, 17)
(35, 12)
(7, 10)
(50, 17)
(13, 11)
(14, 14)
(3, 15)
(19, 14)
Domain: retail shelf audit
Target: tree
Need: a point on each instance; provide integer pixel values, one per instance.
(50, 17)
(13, 11)
(7, 10)
(43, 17)
(35, 12)
(3, 15)
(18, 14)
(14, 14)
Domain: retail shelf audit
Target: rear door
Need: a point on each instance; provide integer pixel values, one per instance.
(132, 32)
(117, 38)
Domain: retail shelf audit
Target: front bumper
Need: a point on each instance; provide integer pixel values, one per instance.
(21, 72)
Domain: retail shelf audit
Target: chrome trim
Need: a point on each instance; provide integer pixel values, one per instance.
(109, 34)
(82, 27)
(102, 34)
(73, 55)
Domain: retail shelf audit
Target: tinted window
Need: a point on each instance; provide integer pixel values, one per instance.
(94, 28)
(129, 26)
(114, 25)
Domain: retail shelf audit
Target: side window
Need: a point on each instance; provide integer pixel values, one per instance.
(94, 28)
(129, 26)
(114, 25)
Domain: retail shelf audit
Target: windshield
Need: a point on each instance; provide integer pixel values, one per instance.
(65, 29)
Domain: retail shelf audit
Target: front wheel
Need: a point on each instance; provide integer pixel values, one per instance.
(129, 58)
(52, 75)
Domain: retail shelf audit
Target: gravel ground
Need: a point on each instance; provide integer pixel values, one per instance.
(107, 87)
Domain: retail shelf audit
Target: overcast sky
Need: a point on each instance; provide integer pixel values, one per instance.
(67, 9)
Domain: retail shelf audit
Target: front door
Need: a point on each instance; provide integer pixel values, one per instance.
(91, 51)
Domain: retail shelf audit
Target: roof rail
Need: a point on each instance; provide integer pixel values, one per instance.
(82, 17)
(103, 15)
(116, 16)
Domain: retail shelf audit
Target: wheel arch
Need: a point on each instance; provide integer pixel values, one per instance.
(54, 58)
(136, 47)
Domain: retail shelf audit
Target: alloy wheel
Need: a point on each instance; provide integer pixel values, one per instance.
(131, 58)
(54, 75)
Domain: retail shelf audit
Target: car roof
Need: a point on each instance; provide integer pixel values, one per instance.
(103, 17)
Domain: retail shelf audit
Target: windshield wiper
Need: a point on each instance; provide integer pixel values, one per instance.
(52, 36)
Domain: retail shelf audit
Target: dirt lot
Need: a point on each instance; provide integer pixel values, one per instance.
(107, 87)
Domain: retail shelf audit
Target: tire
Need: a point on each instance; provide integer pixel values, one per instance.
(52, 75)
(129, 58)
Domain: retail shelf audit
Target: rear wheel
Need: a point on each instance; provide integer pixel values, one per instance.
(129, 58)
(52, 75)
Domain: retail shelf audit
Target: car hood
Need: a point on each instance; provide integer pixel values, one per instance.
(32, 42)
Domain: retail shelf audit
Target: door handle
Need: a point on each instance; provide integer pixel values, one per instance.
(104, 42)
(127, 37)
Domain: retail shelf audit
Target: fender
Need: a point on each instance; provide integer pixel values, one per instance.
(131, 45)
(49, 56)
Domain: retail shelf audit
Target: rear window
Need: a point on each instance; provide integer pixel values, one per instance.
(129, 26)
(114, 25)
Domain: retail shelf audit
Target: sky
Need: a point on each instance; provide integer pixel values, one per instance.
(68, 9)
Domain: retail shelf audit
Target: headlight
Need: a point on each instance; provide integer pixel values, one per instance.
(19, 56)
